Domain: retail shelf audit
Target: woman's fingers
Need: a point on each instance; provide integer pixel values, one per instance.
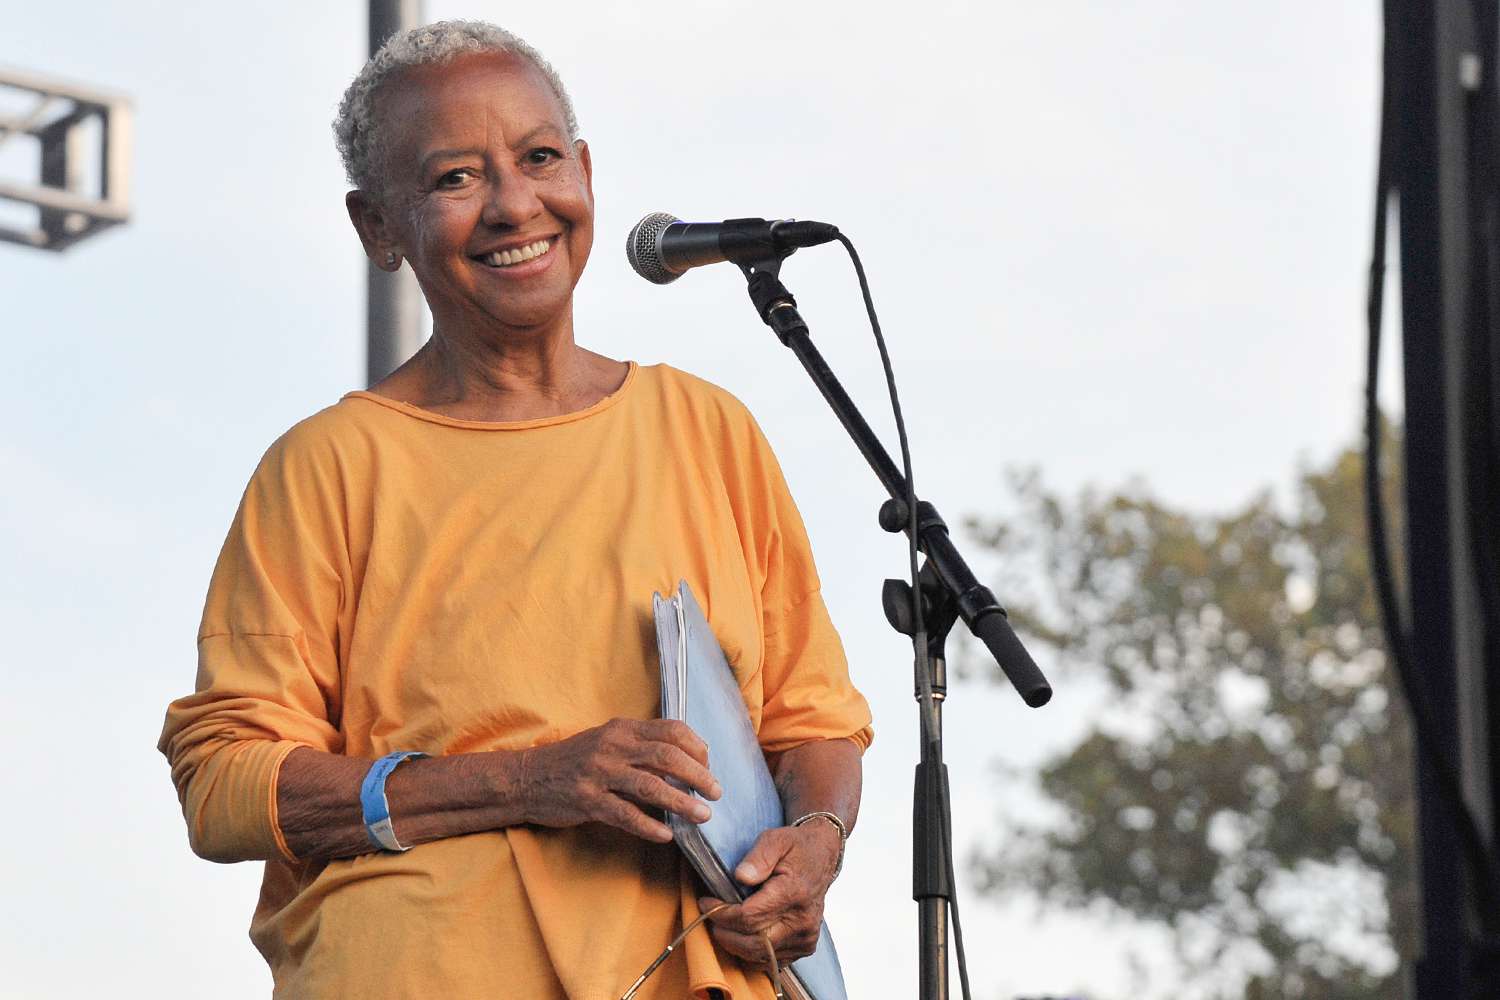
(788, 866)
(679, 734)
(752, 948)
(663, 746)
(781, 901)
(618, 773)
(764, 855)
(618, 813)
(672, 761)
(673, 750)
(793, 936)
(647, 789)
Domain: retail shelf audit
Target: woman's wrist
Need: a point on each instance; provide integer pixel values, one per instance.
(834, 838)
(456, 794)
(508, 775)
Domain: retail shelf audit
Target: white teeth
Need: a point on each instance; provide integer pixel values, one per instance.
(505, 258)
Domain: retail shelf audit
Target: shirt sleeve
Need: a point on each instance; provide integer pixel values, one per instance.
(807, 693)
(267, 656)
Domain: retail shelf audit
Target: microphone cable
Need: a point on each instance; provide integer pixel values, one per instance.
(930, 739)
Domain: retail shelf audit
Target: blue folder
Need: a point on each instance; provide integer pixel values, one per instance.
(699, 688)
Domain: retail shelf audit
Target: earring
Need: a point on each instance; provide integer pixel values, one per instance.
(391, 260)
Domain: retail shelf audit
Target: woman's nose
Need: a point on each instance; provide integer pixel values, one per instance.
(512, 199)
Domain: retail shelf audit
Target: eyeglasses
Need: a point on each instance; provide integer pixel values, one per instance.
(774, 972)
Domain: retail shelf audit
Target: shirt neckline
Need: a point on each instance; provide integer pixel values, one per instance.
(433, 417)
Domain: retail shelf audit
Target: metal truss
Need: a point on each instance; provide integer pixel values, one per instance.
(75, 128)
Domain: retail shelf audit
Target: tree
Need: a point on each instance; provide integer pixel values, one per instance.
(1248, 784)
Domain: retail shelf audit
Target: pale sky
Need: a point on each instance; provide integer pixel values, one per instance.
(1108, 240)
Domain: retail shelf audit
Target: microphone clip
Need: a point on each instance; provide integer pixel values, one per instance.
(776, 306)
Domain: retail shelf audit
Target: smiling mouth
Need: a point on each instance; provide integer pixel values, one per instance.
(510, 258)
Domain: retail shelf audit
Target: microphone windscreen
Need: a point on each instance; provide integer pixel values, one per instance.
(643, 248)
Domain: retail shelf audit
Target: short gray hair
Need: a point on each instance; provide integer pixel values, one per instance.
(356, 130)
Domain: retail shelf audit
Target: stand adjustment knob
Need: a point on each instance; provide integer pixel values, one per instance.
(895, 515)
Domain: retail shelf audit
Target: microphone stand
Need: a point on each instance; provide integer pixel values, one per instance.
(948, 590)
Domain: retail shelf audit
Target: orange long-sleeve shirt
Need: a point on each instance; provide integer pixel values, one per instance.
(397, 579)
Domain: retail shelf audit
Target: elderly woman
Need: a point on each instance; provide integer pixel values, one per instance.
(460, 562)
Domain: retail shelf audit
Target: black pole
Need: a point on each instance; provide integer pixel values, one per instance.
(1439, 969)
(930, 845)
(1438, 62)
(393, 301)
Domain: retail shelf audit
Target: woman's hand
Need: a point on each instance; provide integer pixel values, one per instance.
(793, 867)
(614, 774)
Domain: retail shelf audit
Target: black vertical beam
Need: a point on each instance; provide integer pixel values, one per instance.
(1436, 55)
(1481, 410)
(1439, 970)
(62, 168)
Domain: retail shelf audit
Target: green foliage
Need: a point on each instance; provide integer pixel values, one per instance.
(1251, 770)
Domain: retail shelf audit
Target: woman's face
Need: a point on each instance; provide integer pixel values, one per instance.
(485, 196)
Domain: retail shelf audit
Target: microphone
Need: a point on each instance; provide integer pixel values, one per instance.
(662, 247)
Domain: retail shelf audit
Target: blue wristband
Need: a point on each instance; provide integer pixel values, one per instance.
(372, 800)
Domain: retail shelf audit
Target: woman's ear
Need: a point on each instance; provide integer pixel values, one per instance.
(587, 160)
(372, 224)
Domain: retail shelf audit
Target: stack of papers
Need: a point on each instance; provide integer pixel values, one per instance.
(699, 688)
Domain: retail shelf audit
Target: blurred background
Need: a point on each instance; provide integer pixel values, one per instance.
(1119, 252)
